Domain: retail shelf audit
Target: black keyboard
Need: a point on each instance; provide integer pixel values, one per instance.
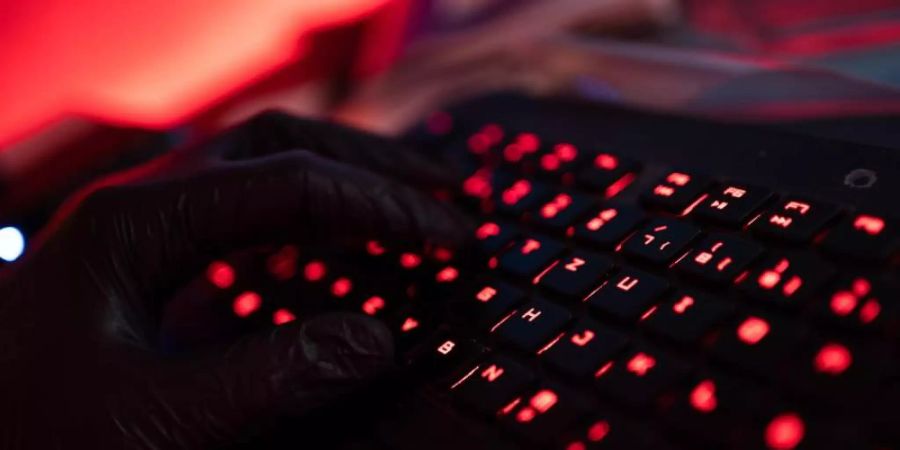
(638, 281)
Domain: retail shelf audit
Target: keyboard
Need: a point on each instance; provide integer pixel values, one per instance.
(637, 281)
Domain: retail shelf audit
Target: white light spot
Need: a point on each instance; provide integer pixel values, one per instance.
(12, 244)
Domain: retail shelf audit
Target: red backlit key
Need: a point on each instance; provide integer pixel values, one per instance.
(858, 303)
(541, 414)
(607, 226)
(583, 349)
(521, 195)
(757, 342)
(562, 210)
(491, 384)
(490, 302)
(628, 294)
(530, 255)
(493, 235)
(732, 204)
(719, 258)
(675, 191)
(863, 236)
(640, 376)
(794, 220)
(607, 173)
(660, 241)
(532, 325)
(786, 280)
(688, 317)
(575, 274)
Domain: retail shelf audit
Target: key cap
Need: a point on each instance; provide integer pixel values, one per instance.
(532, 325)
(490, 302)
(863, 236)
(529, 256)
(757, 342)
(688, 317)
(858, 303)
(675, 191)
(492, 236)
(562, 210)
(786, 280)
(576, 274)
(543, 413)
(660, 241)
(491, 384)
(606, 173)
(639, 377)
(583, 349)
(628, 294)
(521, 195)
(719, 258)
(445, 351)
(608, 226)
(732, 204)
(794, 219)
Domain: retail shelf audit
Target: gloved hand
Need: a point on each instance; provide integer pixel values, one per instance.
(79, 315)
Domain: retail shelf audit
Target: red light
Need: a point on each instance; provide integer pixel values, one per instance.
(525, 415)
(833, 359)
(618, 186)
(640, 364)
(603, 369)
(373, 305)
(753, 330)
(246, 304)
(543, 400)
(410, 260)
(447, 274)
(315, 271)
(582, 339)
(530, 246)
(869, 311)
(492, 373)
(283, 316)
(486, 294)
(606, 161)
(341, 287)
(553, 207)
(871, 225)
(479, 184)
(519, 190)
(479, 143)
(550, 162)
(374, 248)
(574, 264)
(576, 446)
(442, 254)
(792, 285)
(843, 303)
(283, 264)
(601, 219)
(703, 397)
(785, 432)
(220, 274)
(861, 287)
(409, 324)
(486, 230)
(565, 152)
(678, 178)
(663, 190)
(598, 431)
(493, 132)
(682, 305)
(769, 279)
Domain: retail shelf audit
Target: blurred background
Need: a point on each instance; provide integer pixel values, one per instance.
(94, 86)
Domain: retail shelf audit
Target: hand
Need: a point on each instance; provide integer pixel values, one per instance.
(79, 315)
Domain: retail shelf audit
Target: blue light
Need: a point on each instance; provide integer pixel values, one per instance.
(12, 244)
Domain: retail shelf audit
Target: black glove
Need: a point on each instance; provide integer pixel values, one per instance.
(80, 314)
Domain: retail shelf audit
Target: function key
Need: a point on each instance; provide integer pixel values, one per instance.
(521, 195)
(543, 413)
(562, 210)
(608, 173)
(675, 191)
(863, 236)
(786, 280)
(794, 220)
(583, 349)
(607, 227)
(491, 384)
(688, 317)
(858, 303)
(530, 255)
(757, 342)
(660, 241)
(732, 204)
(491, 301)
(575, 275)
(719, 258)
(533, 325)
(492, 236)
(628, 294)
(641, 376)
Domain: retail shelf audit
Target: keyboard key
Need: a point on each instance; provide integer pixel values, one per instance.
(639, 377)
(675, 191)
(607, 227)
(529, 256)
(543, 413)
(688, 317)
(521, 195)
(794, 219)
(757, 342)
(583, 349)
(786, 280)
(490, 302)
(858, 303)
(576, 274)
(562, 210)
(732, 204)
(660, 241)
(491, 384)
(443, 353)
(863, 236)
(493, 236)
(533, 325)
(628, 294)
(719, 258)
(608, 173)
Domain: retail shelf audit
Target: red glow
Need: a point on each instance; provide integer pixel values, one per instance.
(246, 304)
(678, 178)
(486, 230)
(576, 446)
(618, 186)
(519, 190)
(530, 246)
(409, 324)
(220, 274)
(479, 143)
(792, 285)
(843, 303)
(492, 372)
(603, 369)
(785, 432)
(553, 207)
(283, 264)
(640, 364)
(833, 359)
(410, 260)
(485, 295)
(769, 279)
(550, 162)
(526, 415)
(582, 339)
(682, 305)
(447, 274)
(315, 271)
(601, 219)
(871, 225)
(606, 161)
(543, 400)
(753, 330)
(861, 287)
(341, 287)
(703, 397)
(565, 152)
(598, 431)
(373, 305)
(283, 316)
(478, 184)
(442, 254)
(374, 248)
(869, 311)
